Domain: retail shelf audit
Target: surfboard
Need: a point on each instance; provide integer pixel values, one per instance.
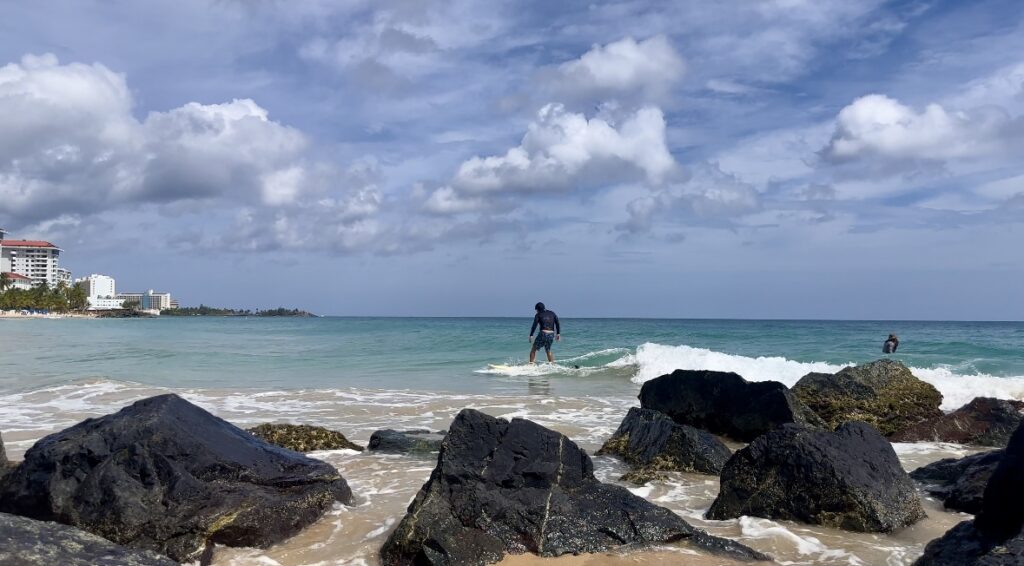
(499, 367)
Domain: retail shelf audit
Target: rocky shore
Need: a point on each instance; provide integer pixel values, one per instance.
(163, 480)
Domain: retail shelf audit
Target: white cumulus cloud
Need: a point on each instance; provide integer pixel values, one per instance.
(625, 69)
(879, 126)
(69, 144)
(563, 151)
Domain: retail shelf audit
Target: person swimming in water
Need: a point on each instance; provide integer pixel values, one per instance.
(550, 331)
(891, 344)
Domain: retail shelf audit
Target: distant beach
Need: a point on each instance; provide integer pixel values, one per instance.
(20, 314)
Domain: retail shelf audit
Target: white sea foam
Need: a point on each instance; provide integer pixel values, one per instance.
(957, 390)
(653, 360)
(755, 528)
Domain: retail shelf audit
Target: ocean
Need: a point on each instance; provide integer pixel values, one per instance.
(357, 375)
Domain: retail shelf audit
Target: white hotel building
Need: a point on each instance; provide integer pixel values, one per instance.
(102, 292)
(34, 259)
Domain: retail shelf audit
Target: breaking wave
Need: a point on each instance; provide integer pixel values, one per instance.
(652, 360)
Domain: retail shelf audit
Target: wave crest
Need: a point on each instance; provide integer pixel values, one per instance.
(652, 360)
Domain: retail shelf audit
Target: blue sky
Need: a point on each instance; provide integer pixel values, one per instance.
(751, 159)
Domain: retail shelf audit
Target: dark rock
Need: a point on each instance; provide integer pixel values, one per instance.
(1010, 553)
(725, 403)
(3, 456)
(1002, 510)
(883, 394)
(984, 421)
(27, 541)
(165, 475)
(303, 438)
(965, 545)
(514, 487)
(406, 441)
(848, 479)
(960, 546)
(995, 536)
(652, 443)
(960, 482)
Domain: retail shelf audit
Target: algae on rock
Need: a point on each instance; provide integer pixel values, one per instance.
(884, 394)
(303, 438)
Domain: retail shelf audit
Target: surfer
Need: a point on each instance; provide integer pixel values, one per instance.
(550, 331)
(891, 344)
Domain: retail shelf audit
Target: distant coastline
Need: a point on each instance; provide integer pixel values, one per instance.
(203, 310)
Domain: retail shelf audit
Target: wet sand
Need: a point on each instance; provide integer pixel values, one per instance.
(385, 484)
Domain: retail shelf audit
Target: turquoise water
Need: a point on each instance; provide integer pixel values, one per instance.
(452, 354)
(358, 375)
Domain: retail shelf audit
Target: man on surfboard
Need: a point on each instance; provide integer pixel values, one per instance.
(550, 331)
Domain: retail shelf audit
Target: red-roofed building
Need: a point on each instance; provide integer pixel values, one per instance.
(18, 281)
(36, 260)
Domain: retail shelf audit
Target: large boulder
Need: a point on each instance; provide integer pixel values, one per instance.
(405, 441)
(984, 421)
(848, 479)
(27, 541)
(515, 487)
(960, 482)
(4, 464)
(303, 438)
(725, 403)
(165, 475)
(996, 535)
(883, 394)
(652, 443)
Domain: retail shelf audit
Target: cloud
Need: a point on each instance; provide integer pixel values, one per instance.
(446, 200)
(70, 147)
(565, 151)
(393, 43)
(625, 69)
(68, 141)
(342, 218)
(711, 197)
(879, 126)
(217, 150)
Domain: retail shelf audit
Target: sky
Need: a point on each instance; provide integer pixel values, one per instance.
(828, 159)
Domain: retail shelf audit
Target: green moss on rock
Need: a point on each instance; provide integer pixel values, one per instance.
(303, 438)
(884, 394)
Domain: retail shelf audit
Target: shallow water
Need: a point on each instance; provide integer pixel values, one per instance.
(385, 484)
(360, 375)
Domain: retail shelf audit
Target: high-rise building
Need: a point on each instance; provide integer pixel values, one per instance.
(102, 292)
(5, 265)
(36, 259)
(150, 300)
(101, 286)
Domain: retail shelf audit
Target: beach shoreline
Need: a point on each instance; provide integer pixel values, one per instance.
(16, 315)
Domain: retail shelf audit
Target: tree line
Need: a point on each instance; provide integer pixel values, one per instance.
(61, 298)
(203, 310)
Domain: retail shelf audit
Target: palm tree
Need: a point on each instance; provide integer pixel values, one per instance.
(5, 281)
(77, 297)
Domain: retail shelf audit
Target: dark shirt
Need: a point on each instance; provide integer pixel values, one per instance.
(890, 346)
(547, 320)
